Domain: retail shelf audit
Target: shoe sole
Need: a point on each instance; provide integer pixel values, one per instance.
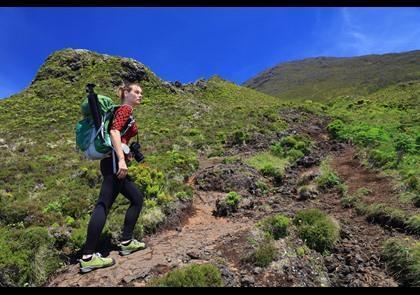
(128, 252)
(87, 269)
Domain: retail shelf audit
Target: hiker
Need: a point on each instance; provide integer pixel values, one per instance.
(115, 183)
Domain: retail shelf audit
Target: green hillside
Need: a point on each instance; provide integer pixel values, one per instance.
(47, 187)
(321, 78)
(48, 190)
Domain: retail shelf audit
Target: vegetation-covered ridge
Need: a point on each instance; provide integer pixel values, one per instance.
(321, 78)
(47, 189)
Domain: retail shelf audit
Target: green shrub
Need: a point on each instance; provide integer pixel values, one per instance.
(295, 155)
(405, 143)
(228, 204)
(316, 229)
(270, 170)
(403, 257)
(183, 195)
(75, 205)
(232, 199)
(78, 235)
(361, 208)
(192, 132)
(292, 146)
(366, 135)
(239, 137)
(149, 180)
(309, 216)
(363, 191)
(343, 189)
(336, 128)
(327, 178)
(15, 212)
(27, 257)
(264, 253)
(204, 275)
(413, 224)
(268, 165)
(149, 204)
(183, 162)
(151, 219)
(54, 206)
(412, 182)
(69, 221)
(277, 150)
(221, 137)
(349, 201)
(289, 142)
(379, 158)
(164, 199)
(416, 200)
(262, 186)
(302, 251)
(383, 214)
(275, 225)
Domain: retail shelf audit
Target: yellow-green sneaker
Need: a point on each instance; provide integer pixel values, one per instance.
(97, 261)
(133, 246)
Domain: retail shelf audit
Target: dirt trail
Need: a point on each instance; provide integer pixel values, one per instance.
(349, 168)
(166, 250)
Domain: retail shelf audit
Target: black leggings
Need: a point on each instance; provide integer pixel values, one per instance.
(111, 187)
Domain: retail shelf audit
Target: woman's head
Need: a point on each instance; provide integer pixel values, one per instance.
(130, 94)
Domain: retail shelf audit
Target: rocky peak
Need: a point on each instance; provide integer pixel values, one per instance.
(69, 64)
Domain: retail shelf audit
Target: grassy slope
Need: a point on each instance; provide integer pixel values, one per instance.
(327, 77)
(46, 184)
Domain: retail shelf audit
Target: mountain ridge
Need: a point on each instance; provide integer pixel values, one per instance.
(321, 78)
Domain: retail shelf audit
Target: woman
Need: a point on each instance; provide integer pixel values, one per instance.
(113, 184)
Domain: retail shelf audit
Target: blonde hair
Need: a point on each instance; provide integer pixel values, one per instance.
(125, 87)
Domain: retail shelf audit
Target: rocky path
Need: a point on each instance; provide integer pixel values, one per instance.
(166, 250)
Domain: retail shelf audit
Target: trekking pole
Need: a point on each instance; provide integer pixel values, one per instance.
(94, 105)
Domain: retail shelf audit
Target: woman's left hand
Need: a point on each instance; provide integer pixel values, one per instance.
(130, 156)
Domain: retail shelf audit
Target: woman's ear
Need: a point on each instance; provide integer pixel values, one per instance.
(126, 93)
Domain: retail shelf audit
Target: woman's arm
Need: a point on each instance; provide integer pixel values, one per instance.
(116, 143)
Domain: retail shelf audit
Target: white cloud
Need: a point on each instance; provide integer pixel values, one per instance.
(360, 31)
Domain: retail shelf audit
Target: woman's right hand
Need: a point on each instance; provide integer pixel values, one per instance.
(122, 169)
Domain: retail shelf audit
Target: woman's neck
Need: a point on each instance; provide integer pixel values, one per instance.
(125, 103)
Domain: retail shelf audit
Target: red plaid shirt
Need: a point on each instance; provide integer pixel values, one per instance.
(120, 119)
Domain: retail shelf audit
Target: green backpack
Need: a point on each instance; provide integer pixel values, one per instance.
(96, 144)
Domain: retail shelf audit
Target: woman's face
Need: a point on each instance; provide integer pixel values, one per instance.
(133, 97)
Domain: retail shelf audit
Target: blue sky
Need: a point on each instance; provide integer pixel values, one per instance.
(188, 43)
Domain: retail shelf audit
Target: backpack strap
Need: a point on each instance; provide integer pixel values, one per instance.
(128, 124)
